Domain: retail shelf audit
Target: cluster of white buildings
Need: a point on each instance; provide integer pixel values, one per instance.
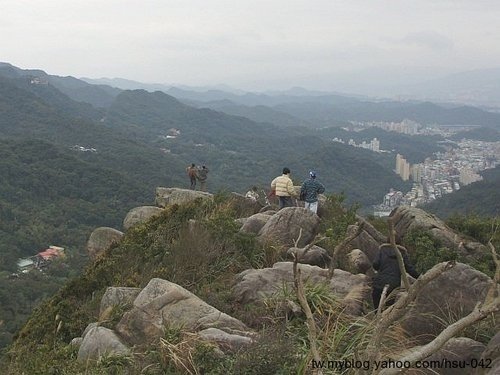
(373, 145)
(445, 173)
(83, 149)
(406, 126)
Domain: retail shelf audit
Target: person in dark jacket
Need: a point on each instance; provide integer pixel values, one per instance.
(388, 273)
(310, 190)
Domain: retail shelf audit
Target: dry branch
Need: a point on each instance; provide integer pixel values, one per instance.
(342, 246)
(401, 307)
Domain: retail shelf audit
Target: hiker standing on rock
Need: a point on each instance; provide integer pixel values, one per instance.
(191, 172)
(284, 190)
(202, 175)
(309, 192)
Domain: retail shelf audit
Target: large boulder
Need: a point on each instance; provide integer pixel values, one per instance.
(315, 255)
(101, 239)
(447, 298)
(118, 296)
(255, 223)
(407, 219)
(358, 262)
(461, 350)
(164, 304)
(490, 358)
(368, 240)
(100, 341)
(255, 285)
(170, 196)
(285, 226)
(140, 215)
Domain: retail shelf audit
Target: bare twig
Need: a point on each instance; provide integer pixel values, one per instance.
(449, 332)
(382, 300)
(340, 248)
(392, 239)
(399, 309)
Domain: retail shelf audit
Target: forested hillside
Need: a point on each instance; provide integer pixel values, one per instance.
(480, 198)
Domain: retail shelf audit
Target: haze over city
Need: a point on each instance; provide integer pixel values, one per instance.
(253, 45)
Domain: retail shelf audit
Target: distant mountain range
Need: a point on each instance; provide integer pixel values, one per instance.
(237, 134)
(299, 107)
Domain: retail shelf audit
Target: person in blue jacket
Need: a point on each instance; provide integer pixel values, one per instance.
(309, 192)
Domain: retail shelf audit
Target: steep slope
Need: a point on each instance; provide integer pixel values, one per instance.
(482, 198)
(100, 96)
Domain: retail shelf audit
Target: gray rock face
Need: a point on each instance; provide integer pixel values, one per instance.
(225, 341)
(254, 285)
(407, 219)
(255, 223)
(116, 296)
(164, 304)
(284, 227)
(359, 262)
(170, 196)
(490, 357)
(101, 239)
(453, 294)
(315, 256)
(369, 240)
(457, 349)
(101, 341)
(140, 215)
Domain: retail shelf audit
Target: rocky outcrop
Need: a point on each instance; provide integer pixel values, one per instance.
(140, 215)
(407, 219)
(462, 349)
(225, 341)
(315, 256)
(490, 358)
(284, 227)
(368, 240)
(101, 239)
(170, 196)
(101, 341)
(118, 296)
(255, 223)
(255, 285)
(358, 262)
(450, 296)
(164, 304)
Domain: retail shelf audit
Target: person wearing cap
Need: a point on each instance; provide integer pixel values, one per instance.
(309, 190)
(284, 190)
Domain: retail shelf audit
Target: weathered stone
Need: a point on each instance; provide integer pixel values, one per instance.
(490, 357)
(89, 327)
(359, 262)
(164, 304)
(101, 341)
(76, 342)
(116, 296)
(255, 285)
(285, 226)
(407, 219)
(453, 294)
(140, 215)
(254, 223)
(170, 196)
(225, 341)
(461, 349)
(369, 240)
(315, 256)
(101, 239)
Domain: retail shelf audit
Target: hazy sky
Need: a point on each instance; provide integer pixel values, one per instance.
(250, 44)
